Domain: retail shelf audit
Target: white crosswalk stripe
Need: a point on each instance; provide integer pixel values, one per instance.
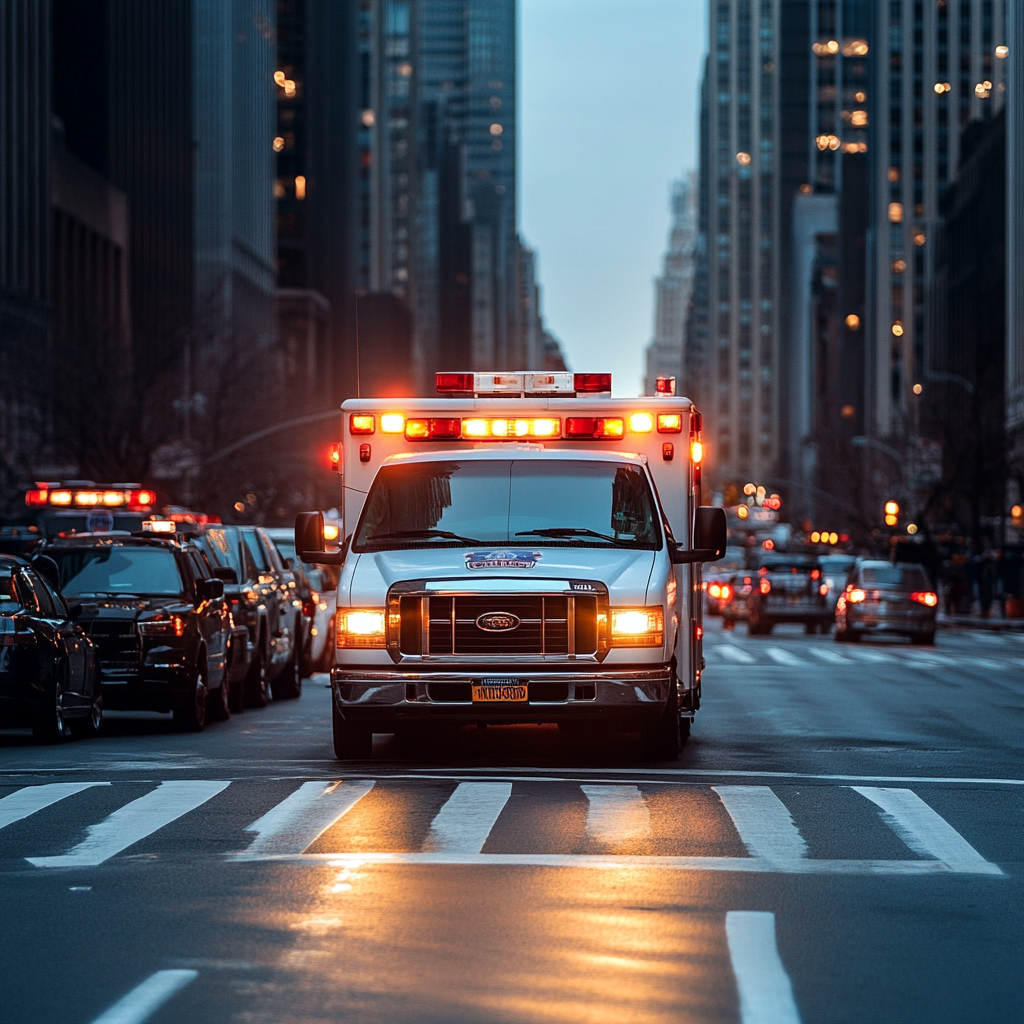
(127, 825)
(766, 993)
(763, 822)
(465, 821)
(783, 657)
(734, 654)
(832, 657)
(24, 802)
(923, 829)
(297, 821)
(616, 814)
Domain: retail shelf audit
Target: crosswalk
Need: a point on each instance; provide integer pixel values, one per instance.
(430, 821)
(818, 655)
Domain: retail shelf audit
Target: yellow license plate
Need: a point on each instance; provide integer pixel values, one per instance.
(499, 691)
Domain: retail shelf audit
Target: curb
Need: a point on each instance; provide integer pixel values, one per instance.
(970, 622)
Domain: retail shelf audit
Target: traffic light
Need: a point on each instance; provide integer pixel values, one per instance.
(892, 511)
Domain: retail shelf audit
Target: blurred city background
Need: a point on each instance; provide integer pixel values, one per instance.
(220, 218)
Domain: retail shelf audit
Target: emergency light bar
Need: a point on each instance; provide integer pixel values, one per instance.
(516, 385)
(57, 496)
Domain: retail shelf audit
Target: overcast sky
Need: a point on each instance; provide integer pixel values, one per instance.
(608, 118)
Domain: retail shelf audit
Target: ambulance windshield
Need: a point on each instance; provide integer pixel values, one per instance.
(504, 501)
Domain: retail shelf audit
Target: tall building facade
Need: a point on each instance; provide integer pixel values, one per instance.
(935, 68)
(666, 354)
(741, 179)
(234, 124)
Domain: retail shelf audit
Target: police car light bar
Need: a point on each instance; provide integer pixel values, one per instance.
(58, 496)
(471, 385)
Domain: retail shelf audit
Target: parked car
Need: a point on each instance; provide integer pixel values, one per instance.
(789, 589)
(49, 668)
(284, 630)
(318, 588)
(884, 598)
(734, 601)
(157, 613)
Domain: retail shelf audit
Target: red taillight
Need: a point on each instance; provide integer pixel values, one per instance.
(925, 597)
(336, 457)
(592, 383)
(855, 595)
(766, 586)
(38, 497)
(451, 383)
(815, 573)
(715, 590)
(726, 593)
(698, 631)
(665, 385)
(594, 426)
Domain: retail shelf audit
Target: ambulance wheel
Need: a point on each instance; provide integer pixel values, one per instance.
(351, 742)
(663, 740)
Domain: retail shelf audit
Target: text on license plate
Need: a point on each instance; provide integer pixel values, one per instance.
(501, 690)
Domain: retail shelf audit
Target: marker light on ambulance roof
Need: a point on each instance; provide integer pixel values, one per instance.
(433, 430)
(446, 383)
(665, 386)
(595, 427)
(502, 429)
(592, 383)
(641, 423)
(392, 423)
(670, 423)
(360, 424)
(417, 430)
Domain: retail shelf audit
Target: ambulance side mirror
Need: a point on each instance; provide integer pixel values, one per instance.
(309, 540)
(710, 535)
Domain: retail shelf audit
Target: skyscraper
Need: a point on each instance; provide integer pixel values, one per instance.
(666, 354)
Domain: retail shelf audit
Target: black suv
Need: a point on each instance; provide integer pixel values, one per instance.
(157, 614)
(788, 588)
(263, 596)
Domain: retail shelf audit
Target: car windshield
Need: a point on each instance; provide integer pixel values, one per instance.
(508, 501)
(909, 576)
(9, 600)
(223, 548)
(118, 570)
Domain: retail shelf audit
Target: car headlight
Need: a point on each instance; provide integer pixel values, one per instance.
(638, 627)
(360, 627)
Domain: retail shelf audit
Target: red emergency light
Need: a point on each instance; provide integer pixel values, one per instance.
(592, 383)
(665, 386)
(594, 427)
(442, 429)
(454, 383)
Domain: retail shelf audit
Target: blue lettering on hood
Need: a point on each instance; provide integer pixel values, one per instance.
(502, 558)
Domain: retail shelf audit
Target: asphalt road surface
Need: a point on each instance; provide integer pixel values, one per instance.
(841, 841)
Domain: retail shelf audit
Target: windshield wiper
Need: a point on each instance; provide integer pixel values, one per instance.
(573, 531)
(422, 535)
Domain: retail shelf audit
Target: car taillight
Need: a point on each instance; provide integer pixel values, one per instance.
(766, 586)
(823, 589)
(715, 590)
(726, 593)
(855, 595)
(925, 597)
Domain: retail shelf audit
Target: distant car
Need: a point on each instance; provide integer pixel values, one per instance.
(157, 614)
(318, 588)
(884, 598)
(736, 590)
(789, 589)
(49, 669)
(834, 571)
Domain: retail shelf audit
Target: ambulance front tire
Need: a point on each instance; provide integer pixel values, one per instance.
(351, 742)
(663, 740)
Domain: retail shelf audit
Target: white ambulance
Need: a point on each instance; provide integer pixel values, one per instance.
(524, 548)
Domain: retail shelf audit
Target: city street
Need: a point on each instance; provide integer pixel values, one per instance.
(841, 841)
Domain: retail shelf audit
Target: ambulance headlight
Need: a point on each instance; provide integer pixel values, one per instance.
(360, 627)
(637, 627)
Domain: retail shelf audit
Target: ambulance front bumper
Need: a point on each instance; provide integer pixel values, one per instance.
(623, 697)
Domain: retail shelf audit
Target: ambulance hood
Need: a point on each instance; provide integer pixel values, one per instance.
(367, 577)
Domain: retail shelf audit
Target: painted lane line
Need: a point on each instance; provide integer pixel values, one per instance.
(783, 657)
(988, 663)
(766, 993)
(924, 830)
(34, 798)
(763, 822)
(832, 657)
(465, 821)
(616, 862)
(734, 654)
(145, 999)
(128, 824)
(299, 819)
(617, 814)
(928, 659)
